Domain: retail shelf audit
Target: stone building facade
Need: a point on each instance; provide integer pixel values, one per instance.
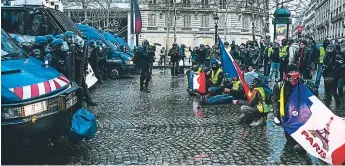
(324, 19)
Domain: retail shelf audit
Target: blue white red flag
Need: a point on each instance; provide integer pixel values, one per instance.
(137, 15)
(231, 68)
(198, 82)
(317, 129)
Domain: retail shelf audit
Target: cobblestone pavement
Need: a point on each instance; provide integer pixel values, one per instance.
(162, 127)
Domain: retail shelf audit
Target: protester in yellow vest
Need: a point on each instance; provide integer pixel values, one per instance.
(255, 110)
(284, 57)
(233, 89)
(215, 81)
(320, 56)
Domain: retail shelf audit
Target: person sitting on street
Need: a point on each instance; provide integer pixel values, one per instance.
(233, 89)
(256, 109)
(196, 70)
(215, 82)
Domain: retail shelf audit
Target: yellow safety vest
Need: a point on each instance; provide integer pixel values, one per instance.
(236, 85)
(262, 106)
(214, 77)
(281, 99)
(199, 70)
(270, 51)
(283, 52)
(322, 54)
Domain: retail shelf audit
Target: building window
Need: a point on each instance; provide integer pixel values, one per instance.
(245, 22)
(152, 19)
(152, 2)
(186, 3)
(222, 4)
(221, 22)
(169, 20)
(204, 3)
(205, 21)
(187, 21)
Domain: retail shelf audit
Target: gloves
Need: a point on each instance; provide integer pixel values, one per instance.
(234, 102)
(276, 121)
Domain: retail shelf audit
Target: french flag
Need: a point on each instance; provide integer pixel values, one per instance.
(317, 129)
(198, 82)
(231, 68)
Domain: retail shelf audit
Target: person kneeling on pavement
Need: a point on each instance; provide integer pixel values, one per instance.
(196, 70)
(215, 82)
(233, 89)
(256, 109)
(282, 92)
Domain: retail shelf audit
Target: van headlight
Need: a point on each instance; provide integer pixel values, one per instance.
(29, 110)
(130, 62)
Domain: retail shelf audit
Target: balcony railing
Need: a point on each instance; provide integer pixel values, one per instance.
(152, 28)
(204, 29)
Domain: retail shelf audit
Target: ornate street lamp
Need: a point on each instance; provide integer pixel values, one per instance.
(216, 18)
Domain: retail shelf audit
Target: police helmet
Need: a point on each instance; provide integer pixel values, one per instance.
(57, 42)
(59, 36)
(69, 34)
(145, 42)
(183, 46)
(60, 44)
(41, 40)
(19, 39)
(226, 43)
(92, 43)
(202, 45)
(174, 45)
(49, 38)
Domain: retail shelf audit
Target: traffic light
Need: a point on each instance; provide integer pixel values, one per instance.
(299, 35)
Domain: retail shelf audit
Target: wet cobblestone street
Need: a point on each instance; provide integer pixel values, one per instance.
(162, 127)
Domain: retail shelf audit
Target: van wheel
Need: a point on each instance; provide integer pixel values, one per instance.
(114, 72)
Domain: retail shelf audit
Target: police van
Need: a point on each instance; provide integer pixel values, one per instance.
(118, 63)
(32, 18)
(118, 41)
(36, 100)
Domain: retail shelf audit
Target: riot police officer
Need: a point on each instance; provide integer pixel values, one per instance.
(40, 44)
(94, 58)
(57, 57)
(143, 60)
(102, 62)
(80, 63)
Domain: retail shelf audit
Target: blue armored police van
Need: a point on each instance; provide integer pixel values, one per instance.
(118, 63)
(36, 100)
(119, 42)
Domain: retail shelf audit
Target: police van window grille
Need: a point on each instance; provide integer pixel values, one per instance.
(41, 24)
(12, 21)
(66, 22)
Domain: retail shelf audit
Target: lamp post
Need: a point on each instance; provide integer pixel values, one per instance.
(216, 18)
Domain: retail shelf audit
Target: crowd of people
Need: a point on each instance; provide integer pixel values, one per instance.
(286, 66)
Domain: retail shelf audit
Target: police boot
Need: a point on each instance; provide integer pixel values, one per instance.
(91, 103)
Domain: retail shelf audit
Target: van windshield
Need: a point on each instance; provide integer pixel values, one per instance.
(9, 50)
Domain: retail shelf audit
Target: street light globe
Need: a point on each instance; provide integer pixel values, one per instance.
(216, 18)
